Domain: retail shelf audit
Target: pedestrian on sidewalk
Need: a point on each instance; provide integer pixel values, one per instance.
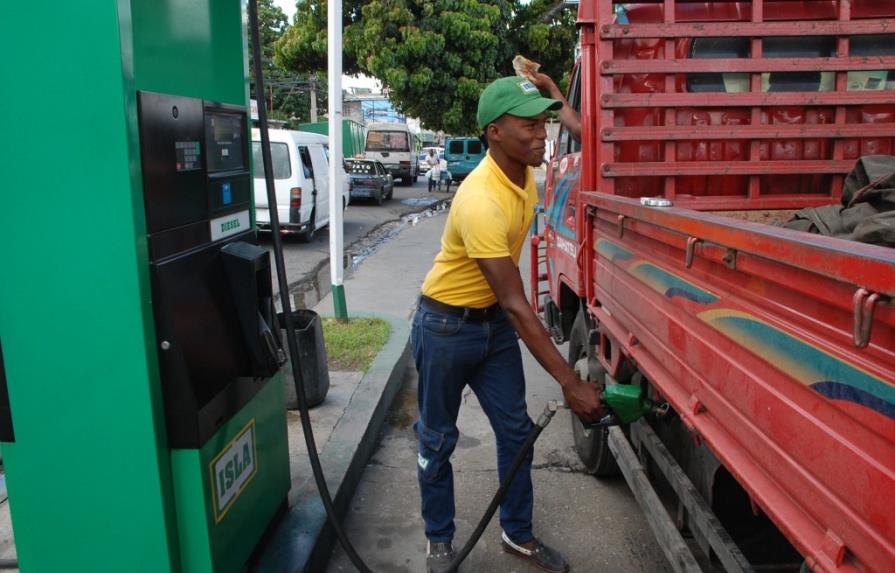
(465, 329)
(433, 173)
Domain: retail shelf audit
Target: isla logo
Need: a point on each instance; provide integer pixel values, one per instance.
(232, 470)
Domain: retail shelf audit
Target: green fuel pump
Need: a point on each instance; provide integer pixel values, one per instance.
(141, 409)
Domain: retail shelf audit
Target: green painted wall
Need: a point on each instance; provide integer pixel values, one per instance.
(354, 136)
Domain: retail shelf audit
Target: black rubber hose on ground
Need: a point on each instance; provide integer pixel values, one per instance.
(501, 492)
(283, 286)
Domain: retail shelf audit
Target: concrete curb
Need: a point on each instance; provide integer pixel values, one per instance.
(303, 539)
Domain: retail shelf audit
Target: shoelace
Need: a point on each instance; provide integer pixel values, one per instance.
(449, 551)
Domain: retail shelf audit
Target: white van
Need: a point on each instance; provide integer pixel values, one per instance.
(396, 147)
(301, 179)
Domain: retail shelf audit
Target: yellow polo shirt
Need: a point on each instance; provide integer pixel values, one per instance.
(489, 218)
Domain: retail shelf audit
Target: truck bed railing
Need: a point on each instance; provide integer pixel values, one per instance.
(671, 154)
(868, 266)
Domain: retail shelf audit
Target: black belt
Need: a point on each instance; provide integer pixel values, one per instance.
(466, 312)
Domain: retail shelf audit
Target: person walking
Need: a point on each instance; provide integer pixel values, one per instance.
(471, 308)
(433, 173)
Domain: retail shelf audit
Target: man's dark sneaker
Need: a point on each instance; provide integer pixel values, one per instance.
(438, 556)
(538, 554)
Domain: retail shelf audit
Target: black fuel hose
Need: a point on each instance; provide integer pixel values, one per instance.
(283, 286)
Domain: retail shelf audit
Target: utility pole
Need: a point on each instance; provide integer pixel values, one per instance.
(334, 26)
(313, 80)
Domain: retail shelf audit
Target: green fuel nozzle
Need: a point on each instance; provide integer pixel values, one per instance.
(624, 404)
(627, 402)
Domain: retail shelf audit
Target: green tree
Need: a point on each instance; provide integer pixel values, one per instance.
(433, 56)
(287, 94)
(272, 22)
(546, 33)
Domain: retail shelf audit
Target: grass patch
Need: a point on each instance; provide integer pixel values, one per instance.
(352, 345)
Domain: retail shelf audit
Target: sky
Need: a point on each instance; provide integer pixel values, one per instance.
(287, 6)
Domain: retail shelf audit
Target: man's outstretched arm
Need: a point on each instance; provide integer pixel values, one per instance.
(504, 279)
(568, 116)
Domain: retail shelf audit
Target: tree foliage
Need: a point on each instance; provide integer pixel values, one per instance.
(433, 56)
(272, 22)
(287, 94)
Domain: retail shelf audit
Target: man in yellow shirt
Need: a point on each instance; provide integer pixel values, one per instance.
(465, 330)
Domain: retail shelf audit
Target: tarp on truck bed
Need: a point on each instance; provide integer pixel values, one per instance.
(867, 212)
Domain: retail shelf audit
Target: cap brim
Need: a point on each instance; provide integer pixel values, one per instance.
(535, 107)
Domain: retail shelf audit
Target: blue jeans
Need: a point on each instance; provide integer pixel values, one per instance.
(451, 352)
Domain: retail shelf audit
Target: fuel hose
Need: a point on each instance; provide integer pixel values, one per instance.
(283, 286)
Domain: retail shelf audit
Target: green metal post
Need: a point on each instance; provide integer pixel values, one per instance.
(340, 306)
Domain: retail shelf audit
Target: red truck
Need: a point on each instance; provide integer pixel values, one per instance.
(703, 125)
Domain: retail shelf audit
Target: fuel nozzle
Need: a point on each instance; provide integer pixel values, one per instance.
(624, 404)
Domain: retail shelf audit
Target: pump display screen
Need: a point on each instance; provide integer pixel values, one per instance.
(224, 135)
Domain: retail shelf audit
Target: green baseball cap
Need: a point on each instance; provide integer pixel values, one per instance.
(514, 95)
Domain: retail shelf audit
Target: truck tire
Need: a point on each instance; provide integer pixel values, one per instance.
(592, 446)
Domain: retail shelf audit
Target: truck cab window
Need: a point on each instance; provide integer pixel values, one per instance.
(873, 45)
(567, 143)
(786, 47)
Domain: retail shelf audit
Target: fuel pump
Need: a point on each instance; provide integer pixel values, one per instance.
(142, 419)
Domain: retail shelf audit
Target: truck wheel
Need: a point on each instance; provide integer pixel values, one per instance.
(592, 446)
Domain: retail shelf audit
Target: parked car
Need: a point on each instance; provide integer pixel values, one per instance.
(463, 154)
(370, 180)
(301, 179)
(424, 155)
